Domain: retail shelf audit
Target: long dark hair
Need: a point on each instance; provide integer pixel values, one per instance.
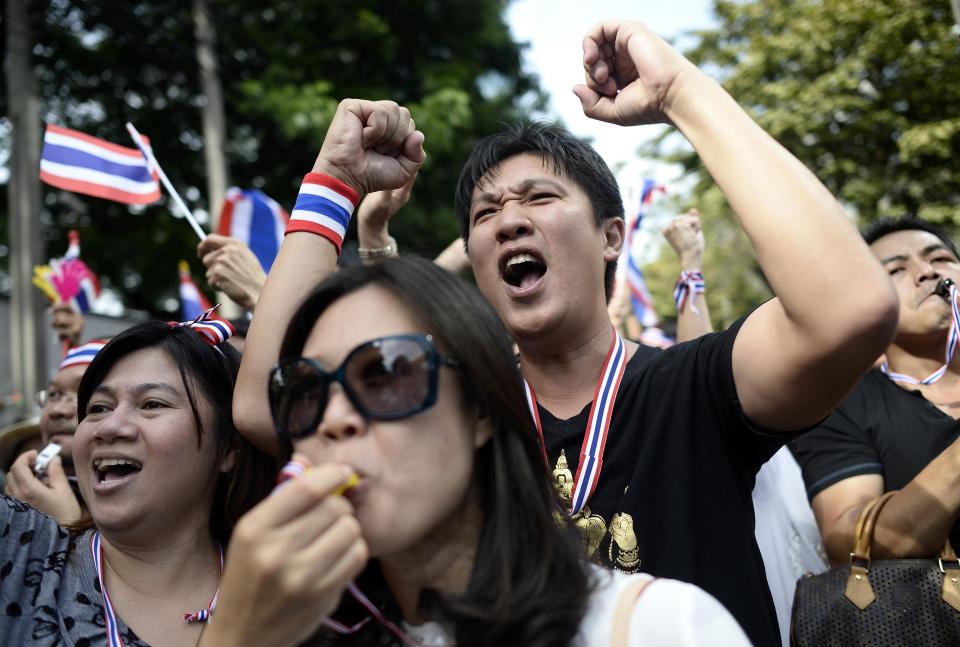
(209, 375)
(530, 581)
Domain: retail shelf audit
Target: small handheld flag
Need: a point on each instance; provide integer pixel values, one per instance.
(639, 295)
(77, 162)
(192, 302)
(255, 219)
(68, 279)
(154, 166)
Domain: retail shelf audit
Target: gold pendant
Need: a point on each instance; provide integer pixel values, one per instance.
(592, 529)
(621, 534)
(563, 479)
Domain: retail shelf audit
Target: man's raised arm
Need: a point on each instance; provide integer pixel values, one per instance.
(797, 355)
(370, 146)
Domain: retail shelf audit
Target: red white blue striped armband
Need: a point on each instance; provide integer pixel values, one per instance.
(688, 286)
(324, 207)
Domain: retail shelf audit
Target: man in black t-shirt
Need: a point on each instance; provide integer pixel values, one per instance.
(897, 430)
(667, 489)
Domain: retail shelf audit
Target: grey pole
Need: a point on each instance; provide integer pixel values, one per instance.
(26, 316)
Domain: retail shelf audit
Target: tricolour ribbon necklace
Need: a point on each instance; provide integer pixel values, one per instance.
(598, 426)
(953, 340)
(113, 627)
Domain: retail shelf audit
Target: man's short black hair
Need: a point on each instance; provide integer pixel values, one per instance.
(890, 225)
(570, 156)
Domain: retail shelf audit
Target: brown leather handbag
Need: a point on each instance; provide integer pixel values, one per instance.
(884, 602)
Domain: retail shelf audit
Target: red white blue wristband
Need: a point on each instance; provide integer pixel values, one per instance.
(324, 206)
(688, 286)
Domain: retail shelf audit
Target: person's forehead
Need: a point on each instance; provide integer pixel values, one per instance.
(905, 243)
(517, 169)
(347, 323)
(68, 379)
(150, 365)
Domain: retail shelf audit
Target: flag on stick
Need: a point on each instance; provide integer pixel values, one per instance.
(256, 219)
(154, 166)
(68, 279)
(192, 301)
(639, 295)
(77, 162)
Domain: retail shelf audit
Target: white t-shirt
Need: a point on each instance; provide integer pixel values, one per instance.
(668, 614)
(786, 532)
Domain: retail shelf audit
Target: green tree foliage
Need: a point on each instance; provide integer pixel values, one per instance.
(284, 66)
(866, 93)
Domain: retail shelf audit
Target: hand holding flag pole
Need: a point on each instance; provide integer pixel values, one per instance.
(177, 200)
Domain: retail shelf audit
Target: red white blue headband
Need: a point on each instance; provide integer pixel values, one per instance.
(83, 354)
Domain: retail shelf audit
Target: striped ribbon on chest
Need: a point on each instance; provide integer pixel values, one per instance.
(598, 425)
(953, 340)
(110, 617)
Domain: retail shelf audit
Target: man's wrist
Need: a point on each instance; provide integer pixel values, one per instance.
(373, 237)
(690, 89)
(692, 263)
(323, 167)
(377, 253)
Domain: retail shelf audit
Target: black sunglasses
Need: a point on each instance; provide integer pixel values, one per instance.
(385, 379)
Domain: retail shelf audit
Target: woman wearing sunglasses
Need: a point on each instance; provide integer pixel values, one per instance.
(451, 534)
(165, 477)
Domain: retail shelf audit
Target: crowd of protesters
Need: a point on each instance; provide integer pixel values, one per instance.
(401, 457)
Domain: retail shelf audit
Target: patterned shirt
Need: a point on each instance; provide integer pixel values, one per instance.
(49, 590)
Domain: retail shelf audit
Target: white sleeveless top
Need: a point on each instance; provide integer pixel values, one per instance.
(668, 614)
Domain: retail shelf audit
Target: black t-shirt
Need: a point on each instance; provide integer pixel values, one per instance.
(882, 429)
(674, 496)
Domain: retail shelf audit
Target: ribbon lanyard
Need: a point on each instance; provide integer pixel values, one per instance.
(953, 339)
(112, 627)
(292, 470)
(375, 613)
(595, 436)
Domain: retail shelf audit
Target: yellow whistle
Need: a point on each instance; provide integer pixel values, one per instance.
(349, 485)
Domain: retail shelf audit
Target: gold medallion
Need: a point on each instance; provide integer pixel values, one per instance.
(592, 528)
(563, 478)
(622, 535)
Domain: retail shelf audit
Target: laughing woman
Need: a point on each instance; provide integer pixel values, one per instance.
(159, 464)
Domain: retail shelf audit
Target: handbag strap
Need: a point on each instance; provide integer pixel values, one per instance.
(950, 567)
(858, 589)
(866, 524)
(621, 616)
(947, 551)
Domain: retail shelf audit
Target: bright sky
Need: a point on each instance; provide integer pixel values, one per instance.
(554, 31)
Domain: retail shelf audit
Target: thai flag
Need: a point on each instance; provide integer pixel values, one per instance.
(256, 219)
(192, 302)
(68, 279)
(88, 288)
(77, 162)
(87, 295)
(639, 295)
